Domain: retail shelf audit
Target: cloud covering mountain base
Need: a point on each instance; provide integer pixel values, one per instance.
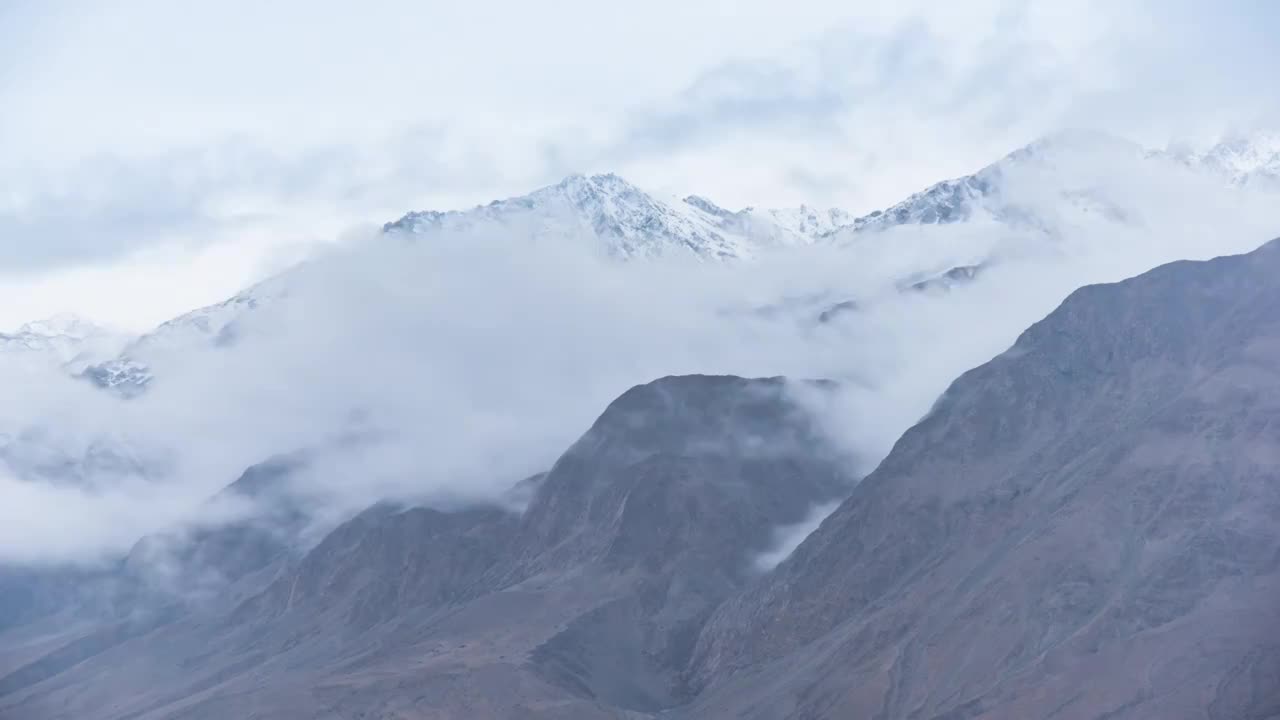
(444, 367)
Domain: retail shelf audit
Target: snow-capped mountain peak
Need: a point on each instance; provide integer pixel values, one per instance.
(130, 371)
(62, 325)
(628, 223)
(1243, 159)
(64, 338)
(623, 221)
(1069, 173)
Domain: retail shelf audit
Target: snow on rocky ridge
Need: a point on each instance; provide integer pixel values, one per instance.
(626, 222)
(993, 194)
(1244, 160)
(129, 372)
(633, 224)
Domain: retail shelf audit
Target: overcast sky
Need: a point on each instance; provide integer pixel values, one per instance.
(156, 156)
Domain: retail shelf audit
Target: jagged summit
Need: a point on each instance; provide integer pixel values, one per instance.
(1072, 178)
(629, 223)
(66, 338)
(1245, 159)
(1052, 161)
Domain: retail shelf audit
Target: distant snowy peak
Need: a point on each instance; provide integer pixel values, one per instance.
(1067, 176)
(808, 222)
(780, 227)
(984, 195)
(945, 202)
(628, 223)
(1245, 160)
(65, 325)
(625, 222)
(65, 339)
(130, 371)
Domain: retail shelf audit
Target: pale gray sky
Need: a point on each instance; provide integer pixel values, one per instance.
(156, 156)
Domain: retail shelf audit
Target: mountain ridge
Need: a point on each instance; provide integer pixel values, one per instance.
(1069, 518)
(632, 223)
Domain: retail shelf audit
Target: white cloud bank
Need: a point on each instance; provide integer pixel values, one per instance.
(448, 368)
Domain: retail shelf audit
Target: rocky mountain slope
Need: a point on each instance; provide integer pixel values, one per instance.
(1081, 528)
(583, 606)
(1251, 160)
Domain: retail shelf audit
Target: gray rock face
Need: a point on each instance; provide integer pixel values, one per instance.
(1082, 528)
(667, 498)
(388, 560)
(587, 605)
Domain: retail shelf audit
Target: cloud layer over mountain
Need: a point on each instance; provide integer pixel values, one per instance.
(445, 367)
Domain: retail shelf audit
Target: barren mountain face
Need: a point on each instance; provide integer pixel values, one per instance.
(1082, 528)
(586, 605)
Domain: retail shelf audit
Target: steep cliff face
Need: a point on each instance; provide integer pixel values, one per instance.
(1082, 527)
